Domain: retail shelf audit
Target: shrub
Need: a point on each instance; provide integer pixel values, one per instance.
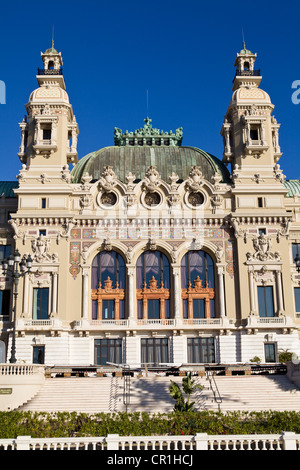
(47, 425)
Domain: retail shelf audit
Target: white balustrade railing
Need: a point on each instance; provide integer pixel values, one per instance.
(20, 369)
(114, 442)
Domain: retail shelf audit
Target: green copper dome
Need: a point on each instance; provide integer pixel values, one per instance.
(52, 50)
(135, 159)
(245, 51)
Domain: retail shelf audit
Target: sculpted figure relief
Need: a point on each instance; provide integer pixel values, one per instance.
(41, 247)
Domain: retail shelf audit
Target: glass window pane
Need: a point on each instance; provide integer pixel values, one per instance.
(270, 352)
(108, 309)
(167, 308)
(154, 351)
(140, 309)
(185, 308)
(297, 298)
(164, 351)
(201, 350)
(265, 301)
(108, 264)
(295, 250)
(194, 264)
(212, 308)
(210, 277)
(211, 350)
(38, 354)
(108, 351)
(4, 302)
(261, 301)
(40, 306)
(269, 301)
(94, 309)
(121, 309)
(5, 251)
(199, 308)
(154, 309)
(153, 264)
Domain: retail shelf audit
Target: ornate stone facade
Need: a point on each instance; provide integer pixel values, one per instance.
(145, 246)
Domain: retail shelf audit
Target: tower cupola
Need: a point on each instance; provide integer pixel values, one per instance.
(250, 133)
(49, 134)
(246, 75)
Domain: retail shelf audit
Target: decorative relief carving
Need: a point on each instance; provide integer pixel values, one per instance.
(195, 180)
(262, 246)
(130, 181)
(108, 179)
(108, 198)
(85, 182)
(66, 174)
(85, 202)
(41, 247)
(195, 198)
(151, 180)
(174, 178)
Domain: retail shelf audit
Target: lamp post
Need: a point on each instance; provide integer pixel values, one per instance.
(16, 268)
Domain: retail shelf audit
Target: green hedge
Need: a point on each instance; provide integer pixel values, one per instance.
(14, 423)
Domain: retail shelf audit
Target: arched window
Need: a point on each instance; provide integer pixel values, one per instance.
(108, 286)
(153, 286)
(198, 285)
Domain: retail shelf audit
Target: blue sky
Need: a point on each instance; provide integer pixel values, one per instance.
(181, 51)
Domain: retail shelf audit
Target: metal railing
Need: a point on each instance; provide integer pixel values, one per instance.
(126, 386)
(50, 72)
(248, 73)
(214, 387)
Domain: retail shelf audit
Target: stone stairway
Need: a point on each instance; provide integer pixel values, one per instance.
(257, 393)
(151, 394)
(84, 394)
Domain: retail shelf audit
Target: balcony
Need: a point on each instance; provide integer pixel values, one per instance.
(255, 147)
(247, 73)
(283, 322)
(149, 324)
(45, 147)
(50, 71)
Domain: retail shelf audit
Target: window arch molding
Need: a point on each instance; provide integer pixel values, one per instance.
(153, 285)
(88, 253)
(198, 284)
(108, 285)
(152, 245)
(210, 248)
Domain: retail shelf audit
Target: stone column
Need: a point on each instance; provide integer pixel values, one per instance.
(131, 300)
(279, 292)
(54, 293)
(177, 293)
(85, 292)
(252, 298)
(221, 291)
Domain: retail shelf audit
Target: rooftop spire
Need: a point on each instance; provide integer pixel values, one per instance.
(244, 45)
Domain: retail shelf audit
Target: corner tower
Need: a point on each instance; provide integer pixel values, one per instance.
(49, 130)
(249, 131)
